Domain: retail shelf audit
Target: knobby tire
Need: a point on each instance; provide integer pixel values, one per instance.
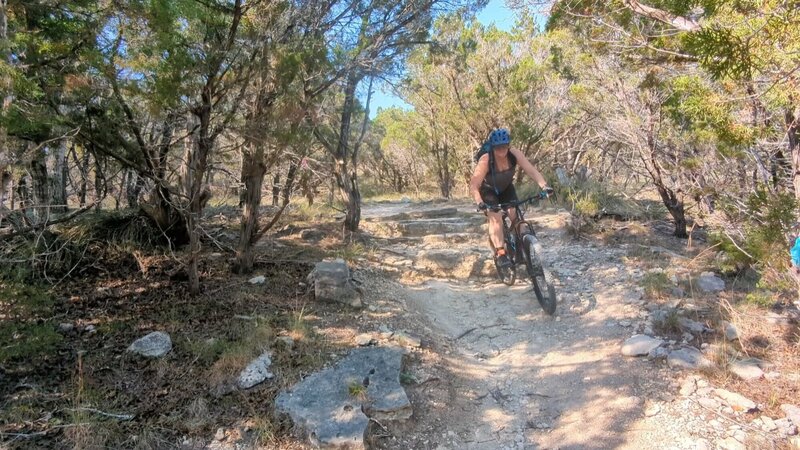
(541, 277)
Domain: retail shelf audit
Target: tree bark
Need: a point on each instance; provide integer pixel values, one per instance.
(253, 171)
(276, 188)
(792, 120)
(60, 179)
(40, 181)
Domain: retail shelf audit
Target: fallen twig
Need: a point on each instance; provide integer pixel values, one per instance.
(105, 414)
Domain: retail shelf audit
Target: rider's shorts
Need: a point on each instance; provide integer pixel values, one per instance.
(491, 198)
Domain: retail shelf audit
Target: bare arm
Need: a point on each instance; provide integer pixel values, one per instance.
(529, 168)
(481, 170)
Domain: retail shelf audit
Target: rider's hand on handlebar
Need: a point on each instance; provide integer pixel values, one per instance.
(482, 206)
(547, 191)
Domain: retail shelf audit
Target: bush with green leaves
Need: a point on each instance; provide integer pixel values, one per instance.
(765, 220)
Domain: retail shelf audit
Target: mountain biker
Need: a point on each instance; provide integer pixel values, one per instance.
(492, 184)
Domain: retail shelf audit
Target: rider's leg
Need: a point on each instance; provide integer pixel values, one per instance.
(496, 228)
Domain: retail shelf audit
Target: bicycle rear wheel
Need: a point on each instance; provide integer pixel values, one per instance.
(541, 277)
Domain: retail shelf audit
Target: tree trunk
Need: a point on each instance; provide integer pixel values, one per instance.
(793, 133)
(40, 200)
(100, 184)
(83, 168)
(6, 185)
(276, 188)
(133, 189)
(290, 176)
(60, 179)
(253, 170)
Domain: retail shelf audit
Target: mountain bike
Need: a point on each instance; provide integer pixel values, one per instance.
(522, 246)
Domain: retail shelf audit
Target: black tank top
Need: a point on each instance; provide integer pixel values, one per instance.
(499, 181)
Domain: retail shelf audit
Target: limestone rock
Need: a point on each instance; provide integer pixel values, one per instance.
(640, 345)
(332, 283)
(257, 280)
(792, 412)
(692, 326)
(325, 408)
(709, 282)
(736, 401)
(364, 339)
(688, 358)
(746, 369)
(154, 345)
(256, 372)
(731, 333)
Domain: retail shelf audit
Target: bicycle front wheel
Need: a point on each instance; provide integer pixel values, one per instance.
(541, 277)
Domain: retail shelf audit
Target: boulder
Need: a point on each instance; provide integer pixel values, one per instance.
(332, 408)
(332, 282)
(154, 345)
(709, 282)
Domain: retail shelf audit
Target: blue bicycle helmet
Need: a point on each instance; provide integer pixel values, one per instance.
(499, 136)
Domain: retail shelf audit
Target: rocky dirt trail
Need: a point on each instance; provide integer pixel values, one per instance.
(500, 374)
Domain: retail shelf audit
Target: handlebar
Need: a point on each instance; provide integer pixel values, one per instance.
(538, 197)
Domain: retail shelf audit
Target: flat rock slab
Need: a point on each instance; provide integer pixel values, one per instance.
(326, 409)
(736, 401)
(688, 358)
(154, 345)
(748, 369)
(640, 345)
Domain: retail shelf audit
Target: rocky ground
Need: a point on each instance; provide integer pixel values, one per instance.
(491, 371)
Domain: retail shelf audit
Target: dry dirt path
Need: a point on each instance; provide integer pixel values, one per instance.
(500, 373)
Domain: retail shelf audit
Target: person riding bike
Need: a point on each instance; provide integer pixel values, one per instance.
(492, 184)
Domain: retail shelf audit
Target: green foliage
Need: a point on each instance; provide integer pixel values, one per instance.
(761, 298)
(767, 219)
(655, 284)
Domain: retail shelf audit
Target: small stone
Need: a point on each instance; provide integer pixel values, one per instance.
(364, 339)
(768, 424)
(256, 372)
(786, 427)
(220, 434)
(731, 333)
(688, 387)
(730, 444)
(625, 323)
(90, 329)
(640, 345)
(653, 410)
(794, 442)
(792, 412)
(407, 339)
(257, 280)
(154, 345)
(65, 327)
